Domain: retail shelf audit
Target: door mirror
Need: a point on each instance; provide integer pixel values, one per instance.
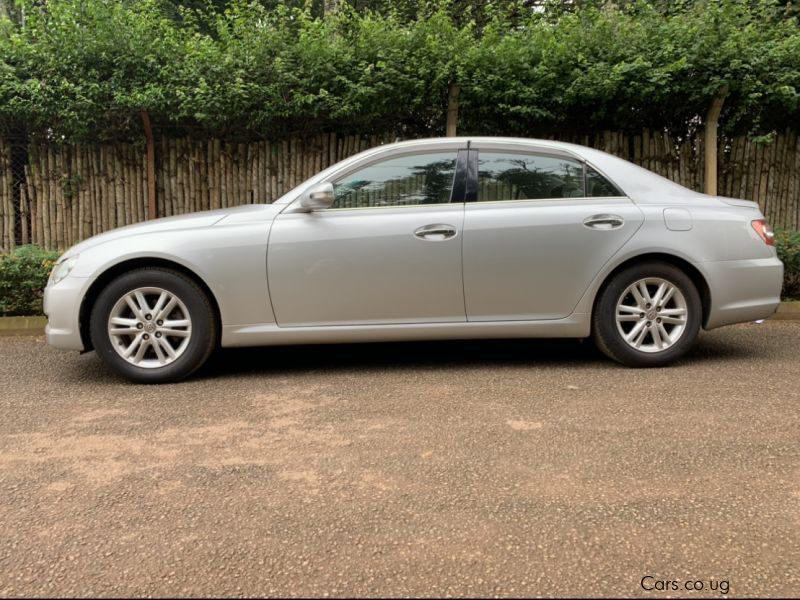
(317, 198)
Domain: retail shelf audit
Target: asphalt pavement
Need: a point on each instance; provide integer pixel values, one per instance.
(492, 468)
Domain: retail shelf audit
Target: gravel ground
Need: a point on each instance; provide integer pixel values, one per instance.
(509, 468)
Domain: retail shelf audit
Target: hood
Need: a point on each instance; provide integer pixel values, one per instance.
(196, 220)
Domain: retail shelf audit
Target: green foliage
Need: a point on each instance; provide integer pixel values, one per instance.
(788, 245)
(23, 277)
(83, 69)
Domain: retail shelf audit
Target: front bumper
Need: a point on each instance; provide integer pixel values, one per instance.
(62, 306)
(742, 290)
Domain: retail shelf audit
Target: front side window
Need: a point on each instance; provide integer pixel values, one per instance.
(512, 176)
(412, 179)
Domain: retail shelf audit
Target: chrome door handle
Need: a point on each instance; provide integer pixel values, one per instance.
(436, 232)
(604, 222)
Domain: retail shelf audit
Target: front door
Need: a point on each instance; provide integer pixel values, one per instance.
(387, 251)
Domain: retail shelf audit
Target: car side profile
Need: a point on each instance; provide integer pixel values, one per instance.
(451, 238)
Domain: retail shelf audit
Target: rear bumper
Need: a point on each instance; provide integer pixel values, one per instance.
(742, 290)
(62, 306)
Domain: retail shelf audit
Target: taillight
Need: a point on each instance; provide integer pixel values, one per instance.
(764, 231)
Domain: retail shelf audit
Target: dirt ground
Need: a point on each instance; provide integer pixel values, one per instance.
(495, 468)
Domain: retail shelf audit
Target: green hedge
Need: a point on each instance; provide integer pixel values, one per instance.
(788, 244)
(82, 71)
(23, 277)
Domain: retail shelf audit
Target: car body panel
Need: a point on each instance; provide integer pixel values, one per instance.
(534, 259)
(366, 266)
(250, 259)
(229, 257)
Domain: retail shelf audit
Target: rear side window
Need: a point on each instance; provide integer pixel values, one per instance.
(598, 186)
(513, 176)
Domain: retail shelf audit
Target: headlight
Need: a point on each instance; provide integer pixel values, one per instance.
(62, 269)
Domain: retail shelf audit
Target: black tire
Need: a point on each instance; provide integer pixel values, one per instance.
(195, 352)
(606, 331)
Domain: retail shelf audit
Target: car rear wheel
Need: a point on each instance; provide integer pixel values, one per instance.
(153, 325)
(647, 315)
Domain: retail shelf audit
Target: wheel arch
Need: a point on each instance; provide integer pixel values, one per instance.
(691, 271)
(114, 271)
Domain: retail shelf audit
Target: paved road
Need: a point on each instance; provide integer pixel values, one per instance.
(469, 469)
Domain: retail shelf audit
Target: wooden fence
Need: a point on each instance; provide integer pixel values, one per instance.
(63, 194)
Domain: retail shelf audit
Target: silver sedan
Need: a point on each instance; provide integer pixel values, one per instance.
(429, 239)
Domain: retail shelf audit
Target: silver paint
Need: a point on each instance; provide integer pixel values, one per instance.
(530, 268)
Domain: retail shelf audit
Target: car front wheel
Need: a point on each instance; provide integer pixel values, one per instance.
(153, 325)
(647, 315)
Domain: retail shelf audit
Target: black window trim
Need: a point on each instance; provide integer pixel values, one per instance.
(460, 179)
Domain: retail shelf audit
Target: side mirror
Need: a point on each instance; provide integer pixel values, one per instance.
(317, 198)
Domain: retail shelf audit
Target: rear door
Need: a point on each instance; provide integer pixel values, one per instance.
(539, 225)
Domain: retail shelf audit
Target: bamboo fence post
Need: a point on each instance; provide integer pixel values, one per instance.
(786, 170)
(129, 187)
(198, 151)
(263, 173)
(177, 174)
(75, 199)
(293, 163)
(223, 176)
(283, 152)
(796, 184)
(61, 208)
(233, 174)
(212, 182)
(190, 181)
(101, 173)
(131, 177)
(139, 174)
(743, 158)
(273, 171)
(80, 175)
(218, 176)
(4, 244)
(734, 166)
(755, 171)
(763, 179)
(119, 199)
(23, 209)
(152, 206)
(711, 141)
(174, 203)
(35, 169)
(747, 161)
(88, 192)
(109, 192)
(46, 197)
(772, 173)
(194, 167)
(91, 182)
(180, 177)
(203, 152)
(238, 173)
(31, 201)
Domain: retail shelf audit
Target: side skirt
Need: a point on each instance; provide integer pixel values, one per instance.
(577, 325)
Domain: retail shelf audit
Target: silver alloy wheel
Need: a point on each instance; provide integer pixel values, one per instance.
(651, 314)
(149, 327)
